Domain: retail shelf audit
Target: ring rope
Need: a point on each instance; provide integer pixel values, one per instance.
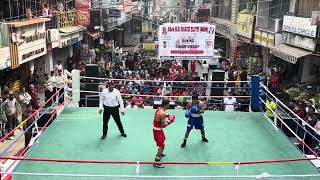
(153, 177)
(162, 81)
(151, 162)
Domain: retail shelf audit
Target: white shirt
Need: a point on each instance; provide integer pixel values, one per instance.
(25, 97)
(229, 103)
(53, 81)
(205, 68)
(111, 99)
(61, 80)
(10, 106)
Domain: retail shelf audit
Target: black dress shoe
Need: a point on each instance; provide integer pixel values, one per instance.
(204, 139)
(103, 136)
(163, 155)
(123, 135)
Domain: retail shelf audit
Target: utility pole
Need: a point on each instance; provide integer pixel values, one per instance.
(101, 30)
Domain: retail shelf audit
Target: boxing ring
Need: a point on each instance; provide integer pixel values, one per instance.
(242, 145)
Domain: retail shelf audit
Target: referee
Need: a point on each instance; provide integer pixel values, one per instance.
(110, 101)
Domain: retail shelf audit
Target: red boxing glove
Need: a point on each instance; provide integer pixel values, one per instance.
(171, 118)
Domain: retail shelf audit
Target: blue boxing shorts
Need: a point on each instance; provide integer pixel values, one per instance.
(196, 122)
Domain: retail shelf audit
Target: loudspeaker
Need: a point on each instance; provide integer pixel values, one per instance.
(92, 70)
(92, 100)
(217, 88)
(45, 114)
(218, 75)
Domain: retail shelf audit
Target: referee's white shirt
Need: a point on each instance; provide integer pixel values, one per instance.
(111, 99)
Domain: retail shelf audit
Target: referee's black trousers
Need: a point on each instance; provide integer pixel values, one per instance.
(114, 112)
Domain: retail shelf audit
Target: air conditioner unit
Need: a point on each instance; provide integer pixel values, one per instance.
(53, 35)
(278, 25)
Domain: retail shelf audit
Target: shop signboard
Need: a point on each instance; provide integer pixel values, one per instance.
(299, 41)
(83, 12)
(30, 41)
(245, 25)
(224, 28)
(145, 27)
(267, 39)
(299, 25)
(67, 40)
(149, 46)
(4, 58)
(186, 41)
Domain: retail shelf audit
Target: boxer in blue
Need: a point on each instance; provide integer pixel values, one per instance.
(194, 113)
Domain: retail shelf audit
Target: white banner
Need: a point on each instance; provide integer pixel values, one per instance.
(186, 41)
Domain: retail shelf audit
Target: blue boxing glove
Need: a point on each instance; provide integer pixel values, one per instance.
(187, 114)
(195, 109)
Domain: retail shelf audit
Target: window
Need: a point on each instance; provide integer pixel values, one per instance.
(305, 7)
(269, 11)
(248, 5)
(221, 9)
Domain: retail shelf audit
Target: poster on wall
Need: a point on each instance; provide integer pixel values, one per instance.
(186, 41)
(83, 12)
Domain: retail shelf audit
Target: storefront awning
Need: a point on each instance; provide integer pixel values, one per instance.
(289, 53)
(72, 29)
(95, 35)
(27, 22)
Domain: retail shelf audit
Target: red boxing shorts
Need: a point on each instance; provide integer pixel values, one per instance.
(159, 137)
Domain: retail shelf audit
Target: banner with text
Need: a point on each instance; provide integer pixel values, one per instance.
(186, 41)
(83, 8)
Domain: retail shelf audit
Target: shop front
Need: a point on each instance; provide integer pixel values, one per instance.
(298, 51)
(249, 56)
(70, 37)
(28, 46)
(225, 37)
(266, 40)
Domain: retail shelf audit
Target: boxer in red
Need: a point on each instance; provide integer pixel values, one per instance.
(160, 122)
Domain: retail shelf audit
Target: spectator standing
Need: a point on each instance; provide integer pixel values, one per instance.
(24, 98)
(10, 109)
(28, 133)
(61, 81)
(31, 78)
(34, 97)
(205, 68)
(275, 81)
(193, 67)
(229, 103)
(48, 90)
(3, 119)
(270, 108)
(58, 67)
(137, 100)
(53, 81)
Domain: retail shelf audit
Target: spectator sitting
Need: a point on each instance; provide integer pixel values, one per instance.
(138, 100)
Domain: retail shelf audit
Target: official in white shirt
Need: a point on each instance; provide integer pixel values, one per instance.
(229, 103)
(110, 102)
(205, 72)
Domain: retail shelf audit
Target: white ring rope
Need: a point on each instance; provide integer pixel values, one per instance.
(286, 107)
(160, 96)
(162, 81)
(153, 177)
